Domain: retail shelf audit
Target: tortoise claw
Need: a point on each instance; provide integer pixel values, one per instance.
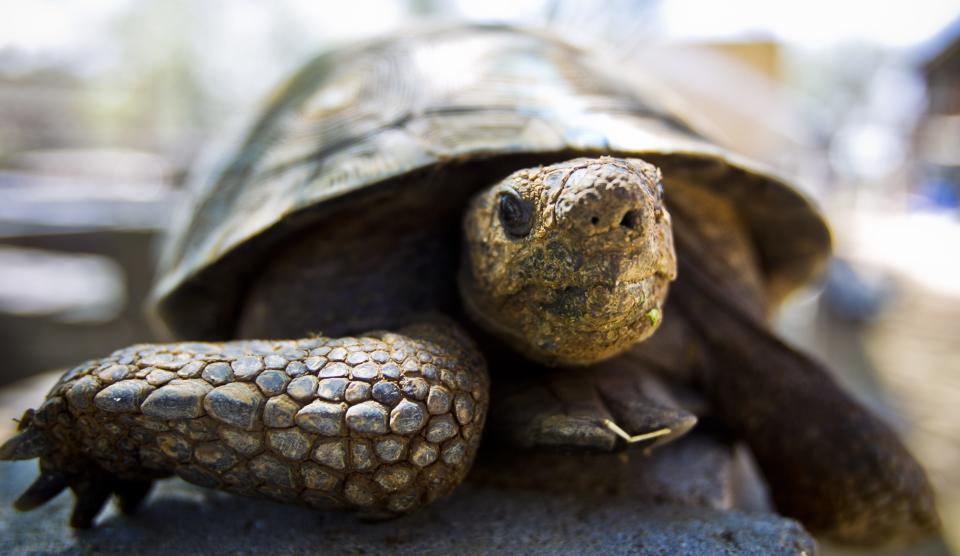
(131, 494)
(27, 444)
(45, 488)
(641, 405)
(91, 495)
(602, 408)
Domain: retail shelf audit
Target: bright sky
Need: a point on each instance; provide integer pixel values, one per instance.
(57, 25)
(812, 23)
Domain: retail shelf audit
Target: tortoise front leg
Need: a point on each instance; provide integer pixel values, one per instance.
(384, 423)
(605, 407)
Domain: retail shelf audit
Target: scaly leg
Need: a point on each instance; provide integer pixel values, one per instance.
(383, 423)
(830, 463)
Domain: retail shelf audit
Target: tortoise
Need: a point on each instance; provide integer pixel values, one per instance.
(420, 209)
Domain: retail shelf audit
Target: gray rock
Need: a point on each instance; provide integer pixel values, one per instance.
(694, 471)
(183, 519)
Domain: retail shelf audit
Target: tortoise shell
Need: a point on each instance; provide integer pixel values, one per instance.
(367, 117)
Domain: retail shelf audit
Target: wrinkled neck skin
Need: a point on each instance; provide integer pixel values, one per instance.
(569, 263)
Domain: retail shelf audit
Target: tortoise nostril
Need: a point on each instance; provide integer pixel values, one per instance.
(631, 219)
(594, 220)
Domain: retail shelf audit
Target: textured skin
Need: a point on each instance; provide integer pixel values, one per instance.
(382, 423)
(589, 278)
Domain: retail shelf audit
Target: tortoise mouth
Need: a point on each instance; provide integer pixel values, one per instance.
(583, 303)
(577, 324)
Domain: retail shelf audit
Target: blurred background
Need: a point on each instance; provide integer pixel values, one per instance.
(106, 104)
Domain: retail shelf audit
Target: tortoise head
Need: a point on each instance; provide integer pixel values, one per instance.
(569, 263)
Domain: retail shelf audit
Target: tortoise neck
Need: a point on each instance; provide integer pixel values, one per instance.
(710, 234)
(341, 281)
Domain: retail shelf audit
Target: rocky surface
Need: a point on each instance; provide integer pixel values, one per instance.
(679, 500)
(182, 519)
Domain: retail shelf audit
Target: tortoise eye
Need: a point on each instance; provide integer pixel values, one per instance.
(516, 214)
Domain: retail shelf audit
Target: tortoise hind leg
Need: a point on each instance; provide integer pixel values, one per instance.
(829, 462)
(47, 486)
